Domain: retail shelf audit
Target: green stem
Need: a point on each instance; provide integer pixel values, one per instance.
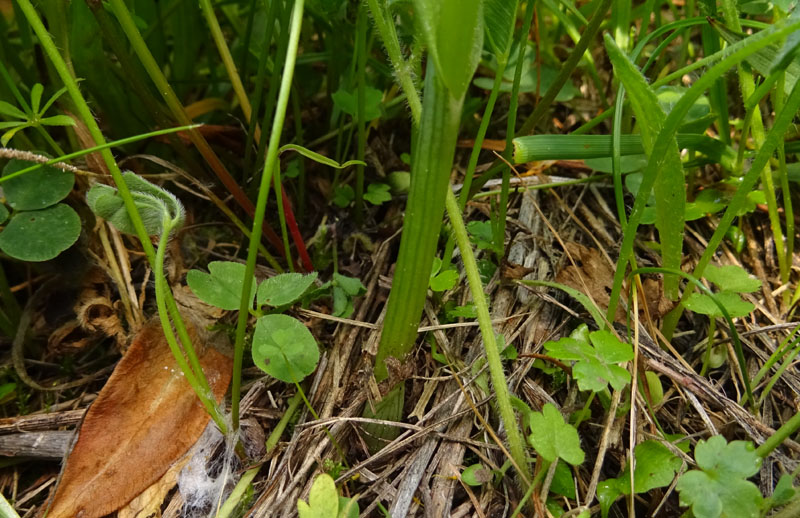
(516, 445)
(780, 435)
(361, 65)
(261, 203)
(402, 69)
(280, 427)
(432, 157)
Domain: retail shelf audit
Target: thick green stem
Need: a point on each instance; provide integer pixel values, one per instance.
(780, 435)
(432, 159)
(261, 203)
(515, 442)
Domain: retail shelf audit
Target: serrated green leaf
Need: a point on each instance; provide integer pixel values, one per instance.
(552, 438)
(347, 101)
(222, 286)
(720, 488)
(36, 190)
(42, 234)
(732, 302)
(595, 365)
(323, 500)
(284, 289)
(731, 278)
(284, 348)
(655, 467)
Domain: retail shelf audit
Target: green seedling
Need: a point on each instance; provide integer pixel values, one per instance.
(720, 486)
(324, 501)
(596, 356)
(442, 280)
(655, 467)
(553, 438)
(38, 227)
(378, 193)
(731, 280)
(33, 116)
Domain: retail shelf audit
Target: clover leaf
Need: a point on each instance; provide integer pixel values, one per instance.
(552, 438)
(222, 286)
(377, 193)
(40, 235)
(284, 348)
(720, 487)
(595, 365)
(344, 290)
(284, 289)
(325, 502)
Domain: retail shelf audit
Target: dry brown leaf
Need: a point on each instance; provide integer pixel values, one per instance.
(145, 418)
(593, 276)
(148, 504)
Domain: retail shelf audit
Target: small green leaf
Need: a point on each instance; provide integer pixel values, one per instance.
(3, 213)
(343, 195)
(350, 285)
(348, 508)
(607, 493)
(476, 475)
(36, 97)
(732, 302)
(323, 500)
(377, 193)
(284, 348)
(8, 135)
(222, 287)
(42, 234)
(655, 467)
(10, 110)
(595, 365)
(444, 281)
(655, 388)
(347, 101)
(284, 289)
(37, 189)
(57, 120)
(719, 488)
(481, 234)
(784, 491)
(563, 484)
(552, 438)
(731, 278)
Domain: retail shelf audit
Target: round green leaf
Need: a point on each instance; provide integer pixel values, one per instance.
(284, 348)
(38, 189)
(284, 289)
(476, 475)
(40, 235)
(222, 287)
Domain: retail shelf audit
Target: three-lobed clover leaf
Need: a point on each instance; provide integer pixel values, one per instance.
(552, 438)
(284, 289)
(720, 487)
(596, 362)
(222, 286)
(378, 193)
(284, 348)
(344, 290)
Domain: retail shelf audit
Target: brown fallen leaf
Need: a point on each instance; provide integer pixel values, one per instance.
(144, 419)
(593, 276)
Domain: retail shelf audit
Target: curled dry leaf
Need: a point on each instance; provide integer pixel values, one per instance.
(593, 276)
(145, 418)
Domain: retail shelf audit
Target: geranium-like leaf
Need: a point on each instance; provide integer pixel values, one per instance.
(732, 302)
(323, 500)
(596, 363)
(731, 278)
(284, 348)
(222, 287)
(552, 438)
(720, 487)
